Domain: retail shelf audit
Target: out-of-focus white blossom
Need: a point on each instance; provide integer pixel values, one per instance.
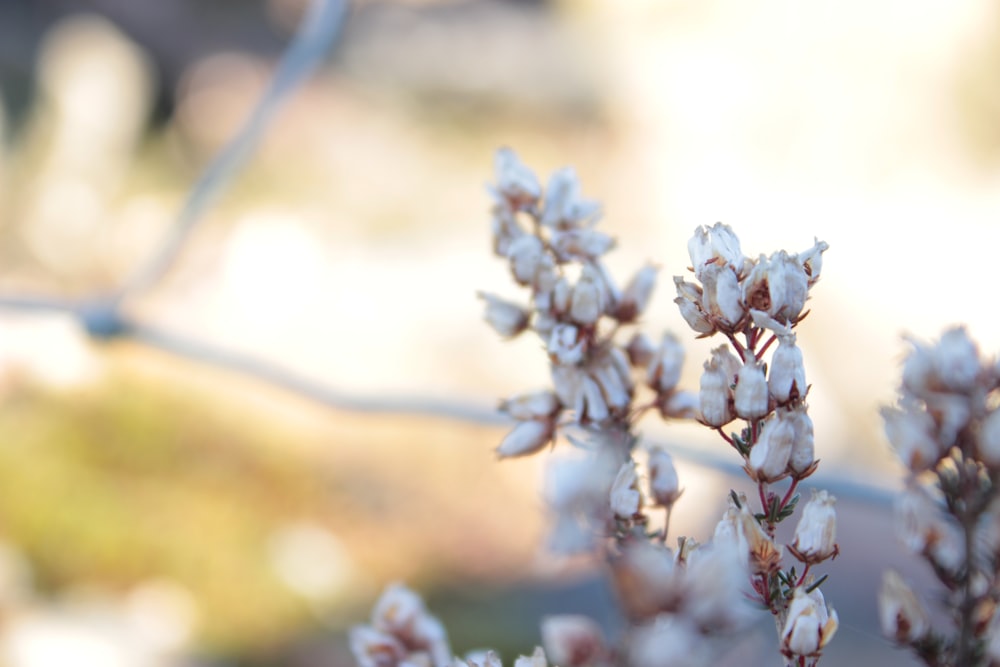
(787, 374)
(527, 257)
(527, 437)
(640, 350)
(952, 364)
(664, 370)
(572, 640)
(591, 406)
(616, 389)
(716, 595)
(750, 398)
(626, 500)
(506, 317)
(903, 617)
(925, 529)
(769, 456)
(716, 245)
(588, 300)
(486, 658)
(636, 295)
(580, 244)
(563, 207)
(534, 405)
(912, 433)
(816, 534)
(566, 346)
(664, 486)
(516, 184)
(716, 395)
(402, 632)
(680, 405)
(669, 641)
(810, 625)
(373, 648)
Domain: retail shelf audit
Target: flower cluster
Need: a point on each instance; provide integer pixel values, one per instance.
(946, 430)
(755, 303)
(678, 602)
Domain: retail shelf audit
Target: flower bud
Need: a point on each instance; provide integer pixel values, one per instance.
(372, 648)
(812, 260)
(714, 245)
(694, 316)
(952, 364)
(505, 231)
(626, 500)
(591, 406)
(769, 455)
(640, 350)
(516, 184)
(924, 528)
(580, 244)
(816, 535)
(803, 447)
(904, 620)
(636, 295)
(565, 345)
(616, 393)
(588, 300)
(664, 372)
(670, 640)
(562, 296)
(536, 405)
(715, 397)
(722, 299)
(911, 432)
(787, 375)
(664, 487)
(788, 284)
(750, 396)
(506, 317)
(572, 641)
(809, 625)
(527, 257)
(563, 207)
(527, 437)
(679, 405)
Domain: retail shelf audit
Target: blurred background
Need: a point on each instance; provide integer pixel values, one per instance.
(308, 413)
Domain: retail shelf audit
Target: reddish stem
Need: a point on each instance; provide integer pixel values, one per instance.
(788, 494)
(802, 579)
(739, 348)
(725, 437)
(761, 351)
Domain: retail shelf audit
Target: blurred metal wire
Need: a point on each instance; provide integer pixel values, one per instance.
(103, 317)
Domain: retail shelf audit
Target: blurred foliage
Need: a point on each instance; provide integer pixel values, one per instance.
(127, 481)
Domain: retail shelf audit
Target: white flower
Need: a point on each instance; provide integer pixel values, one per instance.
(988, 442)
(566, 347)
(803, 447)
(506, 317)
(925, 529)
(636, 295)
(787, 375)
(669, 641)
(911, 431)
(563, 206)
(536, 659)
(664, 373)
(722, 299)
(534, 405)
(903, 618)
(770, 454)
(572, 640)
(373, 648)
(625, 497)
(664, 486)
(716, 579)
(591, 406)
(516, 184)
(750, 396)
(580, 244)
(788, 284)
(952, 364)
(527, 437)
(716, 245)
(715, 396)
(640, 350)
(810, 625)
(689, 297)
(812, 260)
(616, 389)
(527, 257)
(763, 555)
(588, 301)
(816, 534)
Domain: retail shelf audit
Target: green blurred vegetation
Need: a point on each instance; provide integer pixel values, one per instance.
(127, 481)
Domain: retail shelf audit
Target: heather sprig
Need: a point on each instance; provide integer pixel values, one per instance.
(945, 429)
